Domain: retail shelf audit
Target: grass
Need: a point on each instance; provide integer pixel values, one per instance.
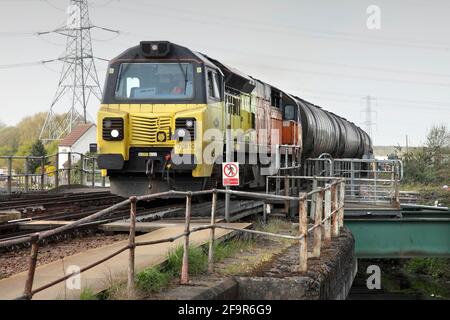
(273, 225)
(156, 278)
(117, 290)
(88, 294)
(198, 261)
(152, 280)
(223, 250)
(246, 264)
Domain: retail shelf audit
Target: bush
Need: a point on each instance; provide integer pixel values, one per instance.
(151, 280)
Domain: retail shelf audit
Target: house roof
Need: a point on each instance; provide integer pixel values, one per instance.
(75, 134)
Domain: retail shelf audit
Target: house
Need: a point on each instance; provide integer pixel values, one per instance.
(76, 141)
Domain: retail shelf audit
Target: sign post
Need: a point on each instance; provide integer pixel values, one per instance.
(230, 174)
(230, 177)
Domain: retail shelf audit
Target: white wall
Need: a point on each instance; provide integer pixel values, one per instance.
(80, 146)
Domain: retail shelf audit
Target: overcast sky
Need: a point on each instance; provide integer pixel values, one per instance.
(320, 50)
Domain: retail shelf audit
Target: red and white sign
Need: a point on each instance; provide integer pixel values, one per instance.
(230, 173)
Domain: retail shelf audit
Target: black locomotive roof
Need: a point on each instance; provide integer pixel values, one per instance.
(176, 52)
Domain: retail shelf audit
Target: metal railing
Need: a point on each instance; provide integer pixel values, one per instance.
(31, 173)
(368, 180)
(328, 214)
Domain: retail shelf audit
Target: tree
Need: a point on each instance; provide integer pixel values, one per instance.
(438, 139)
(37, 150)
(430, 164)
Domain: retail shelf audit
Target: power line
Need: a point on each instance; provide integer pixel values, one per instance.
(285, 58)
(328, 63)
(342, 75)
(356, 102)
(284, 30)
(358, 95)
(26, 64)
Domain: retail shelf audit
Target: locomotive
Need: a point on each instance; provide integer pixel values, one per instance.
(164, 102)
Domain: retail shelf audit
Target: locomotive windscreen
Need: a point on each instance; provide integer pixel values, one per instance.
(155, 81)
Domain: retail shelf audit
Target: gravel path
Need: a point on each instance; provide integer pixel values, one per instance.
(15, 262)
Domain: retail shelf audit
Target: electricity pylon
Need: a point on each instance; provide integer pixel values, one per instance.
(78, 80)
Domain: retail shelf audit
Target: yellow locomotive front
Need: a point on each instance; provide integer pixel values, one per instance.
(159, 98)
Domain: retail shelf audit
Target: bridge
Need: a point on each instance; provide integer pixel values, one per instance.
(408, 232)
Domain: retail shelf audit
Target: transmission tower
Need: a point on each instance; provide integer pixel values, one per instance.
(368, 112)
(78, 80)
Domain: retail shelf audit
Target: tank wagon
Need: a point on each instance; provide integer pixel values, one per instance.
(163, 102)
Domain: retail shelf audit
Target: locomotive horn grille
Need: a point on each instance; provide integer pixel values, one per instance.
(146, 129)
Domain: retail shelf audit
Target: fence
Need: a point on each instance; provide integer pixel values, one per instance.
(368, 180)
(328, 214)
(31, 173)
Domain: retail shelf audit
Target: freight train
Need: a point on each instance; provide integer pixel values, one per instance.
(163, 101)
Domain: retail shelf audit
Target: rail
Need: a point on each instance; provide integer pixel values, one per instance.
(328, 213)
(39, 173)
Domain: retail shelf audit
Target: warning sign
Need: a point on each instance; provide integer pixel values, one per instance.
(230, 173)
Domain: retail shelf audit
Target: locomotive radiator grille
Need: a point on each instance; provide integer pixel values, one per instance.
(145, 129)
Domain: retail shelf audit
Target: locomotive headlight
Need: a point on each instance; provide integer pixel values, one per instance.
(114, 133)
(185, 128)
(189, 123)
(112, 129)
(181, 133)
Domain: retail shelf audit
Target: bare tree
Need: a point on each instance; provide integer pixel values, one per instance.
(438, 139)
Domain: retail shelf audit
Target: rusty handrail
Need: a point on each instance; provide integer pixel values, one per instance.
(333, 211)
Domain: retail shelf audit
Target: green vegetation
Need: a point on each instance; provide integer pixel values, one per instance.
(152, 280)
(427, 170)
(198, 261)
(438, 268)
(21, 140)
(88, 294)
(227, 249)
(274, 225)
(431, 163)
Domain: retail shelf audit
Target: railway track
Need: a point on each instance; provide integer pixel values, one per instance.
(68, 207)
(51, 203)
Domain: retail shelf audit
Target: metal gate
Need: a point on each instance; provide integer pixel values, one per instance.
(367, 180)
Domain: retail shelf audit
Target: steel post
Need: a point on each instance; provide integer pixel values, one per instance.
(132, 248)
(327, 223)
(318, 214)
(212, 233)
(185, 266)
(303, 231)
(31, 267)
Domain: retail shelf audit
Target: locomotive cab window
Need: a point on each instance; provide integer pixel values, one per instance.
(213, 85)
(155, 81)
(289, 112)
